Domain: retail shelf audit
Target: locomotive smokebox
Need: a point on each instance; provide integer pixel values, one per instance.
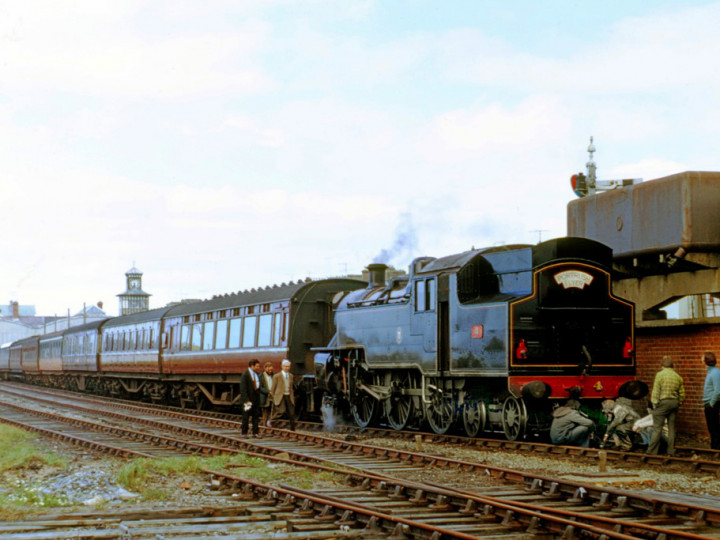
(377, 274)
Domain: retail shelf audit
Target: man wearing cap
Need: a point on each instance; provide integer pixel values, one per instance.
(711, 399)
(668, 393)
(282, 394)
(622, 418)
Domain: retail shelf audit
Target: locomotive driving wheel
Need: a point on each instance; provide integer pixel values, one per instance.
(399, 407)
(363, 409)
(514, 418)
(440, 411)
(474, 415)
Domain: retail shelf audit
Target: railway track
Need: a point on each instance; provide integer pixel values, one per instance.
(689, 459)
(506, 502)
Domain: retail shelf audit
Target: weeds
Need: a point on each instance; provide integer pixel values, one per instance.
(18, 452)
(140, 475)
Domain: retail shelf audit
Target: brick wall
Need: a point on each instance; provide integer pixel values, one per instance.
(685, 345)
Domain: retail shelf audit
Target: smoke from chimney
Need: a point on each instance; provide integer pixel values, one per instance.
(405, 241)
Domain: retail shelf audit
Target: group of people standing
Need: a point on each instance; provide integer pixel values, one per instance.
(266, 395)
(625, 425)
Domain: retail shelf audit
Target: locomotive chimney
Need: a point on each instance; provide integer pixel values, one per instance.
(376, 274)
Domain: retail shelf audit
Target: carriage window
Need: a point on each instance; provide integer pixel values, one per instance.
(196, 337)
(265, 330)
(249, 332)
(277, 327)
(221, 334)
(235, 329)
(151, 338)
(185, 338)
(208, 335)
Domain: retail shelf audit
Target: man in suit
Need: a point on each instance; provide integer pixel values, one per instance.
(282, 394)
(266, 401)
(250, 393)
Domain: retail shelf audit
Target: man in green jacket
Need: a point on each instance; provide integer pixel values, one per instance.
(668, 394)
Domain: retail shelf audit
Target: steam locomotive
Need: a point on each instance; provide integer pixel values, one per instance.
(487, 339)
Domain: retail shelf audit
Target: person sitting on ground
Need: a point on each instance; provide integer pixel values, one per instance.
(644, 429)
(622, 418)
(570, 426)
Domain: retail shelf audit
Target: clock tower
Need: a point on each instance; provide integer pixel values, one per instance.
(134, 299)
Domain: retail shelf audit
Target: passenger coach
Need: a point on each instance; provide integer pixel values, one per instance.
(210, 343)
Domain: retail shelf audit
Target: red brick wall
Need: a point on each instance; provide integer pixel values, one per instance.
(685, 345)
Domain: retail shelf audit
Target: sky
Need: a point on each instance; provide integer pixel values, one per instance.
(225, 145)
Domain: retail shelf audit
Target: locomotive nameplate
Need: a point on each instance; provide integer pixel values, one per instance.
(573, 279)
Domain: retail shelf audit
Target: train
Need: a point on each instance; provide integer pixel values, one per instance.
(484, 341)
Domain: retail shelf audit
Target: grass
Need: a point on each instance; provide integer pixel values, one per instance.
(141, 475)
(18, 451)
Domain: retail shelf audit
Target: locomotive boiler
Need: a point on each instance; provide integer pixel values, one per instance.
(488, 339)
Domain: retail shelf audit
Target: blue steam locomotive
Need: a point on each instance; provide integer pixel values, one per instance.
(488, 339)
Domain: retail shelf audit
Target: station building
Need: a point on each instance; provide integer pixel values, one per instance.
(20, 321)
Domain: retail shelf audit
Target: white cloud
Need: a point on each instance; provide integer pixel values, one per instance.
(488, 127)
(86, 48)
